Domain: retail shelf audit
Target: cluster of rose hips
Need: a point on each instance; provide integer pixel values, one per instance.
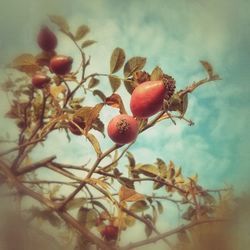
(146, 100)
(58, 64)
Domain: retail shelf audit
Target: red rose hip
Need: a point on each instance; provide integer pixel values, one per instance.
(46, 39)
(61, 65)
(123, 129)
(39, 80)
(110, 232)
(147, 99)
(73, 128)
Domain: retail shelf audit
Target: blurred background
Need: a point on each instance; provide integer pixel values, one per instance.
(174, 35)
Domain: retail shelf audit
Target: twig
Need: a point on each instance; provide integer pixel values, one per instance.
(34, 166)
(21, 146)
(171, 232)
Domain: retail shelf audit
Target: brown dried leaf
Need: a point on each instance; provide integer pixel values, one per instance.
(129, 195)
(134, 64)
(100, 94)
(115, 101)
(117, 60)
(208, 67)
(81, 32)
(93, 115)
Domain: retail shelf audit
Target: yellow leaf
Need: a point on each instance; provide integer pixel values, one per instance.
(156, 74)
(92, 139)
(55, 91)
(87, 43)
(60, 22)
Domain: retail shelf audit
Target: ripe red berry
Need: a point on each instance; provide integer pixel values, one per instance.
(73, 128)
(123, 129)
(39, 80)
(110, 232)
(61, 65)
(46, 39)
(147, 98)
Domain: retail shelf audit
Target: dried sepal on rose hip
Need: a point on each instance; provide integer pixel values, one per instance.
(147, 98)
(61, 65)
(40, 80)
(169, 82)
(110, 232)
(123, 129)
(141, 76)
(46, 39)
(76, 121)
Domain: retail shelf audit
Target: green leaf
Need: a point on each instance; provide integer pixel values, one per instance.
(87, 43)
(93, 82)
(60, 22)
(155, 215)
(115, 82)
(131, 159)
(134, 64)
(139, 206)
(130, 85)
(81, 32)
(117, 60)
(157, 74)
(159, 207)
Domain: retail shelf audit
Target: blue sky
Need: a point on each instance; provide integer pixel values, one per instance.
(174, 35)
